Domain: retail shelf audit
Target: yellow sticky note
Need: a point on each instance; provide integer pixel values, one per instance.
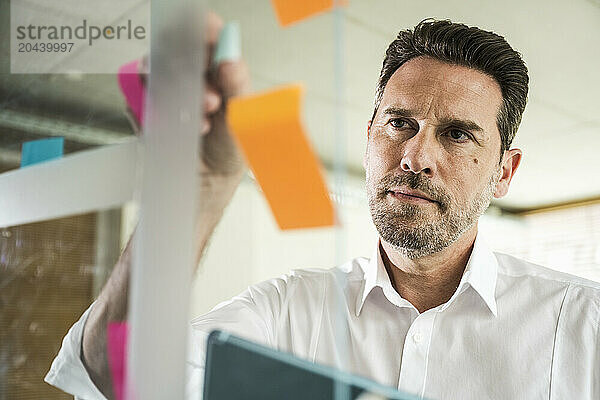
(290, 11)
(267, 127)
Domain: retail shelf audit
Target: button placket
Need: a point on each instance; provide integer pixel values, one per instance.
(417, 337)
(413, 370)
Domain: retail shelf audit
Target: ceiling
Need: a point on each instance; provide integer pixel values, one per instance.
(560, 133)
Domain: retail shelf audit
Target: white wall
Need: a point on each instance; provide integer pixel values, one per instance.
(248, 247)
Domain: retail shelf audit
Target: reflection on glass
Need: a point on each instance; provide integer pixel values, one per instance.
(49, 273)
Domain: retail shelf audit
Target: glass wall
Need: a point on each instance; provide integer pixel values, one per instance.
(207, 232)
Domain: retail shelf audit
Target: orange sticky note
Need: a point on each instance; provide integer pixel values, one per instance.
(290, 11)
(267, 127)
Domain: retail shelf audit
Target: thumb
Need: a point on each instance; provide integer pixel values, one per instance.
(233, 78)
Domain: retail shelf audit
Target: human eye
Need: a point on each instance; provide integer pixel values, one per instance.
(398, 123)
(458, 135)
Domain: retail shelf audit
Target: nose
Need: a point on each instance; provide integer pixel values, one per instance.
(418, 154)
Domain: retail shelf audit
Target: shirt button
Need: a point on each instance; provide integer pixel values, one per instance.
(417, 337)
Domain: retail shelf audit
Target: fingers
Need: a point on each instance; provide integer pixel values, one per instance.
(229, 78)
(212, 104)
(214, 24)
(233, 78)
(206, 125)
(212, 101)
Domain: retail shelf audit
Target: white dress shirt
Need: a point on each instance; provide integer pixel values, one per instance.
(512, 330)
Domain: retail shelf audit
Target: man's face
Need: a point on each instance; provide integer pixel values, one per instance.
(433, 155)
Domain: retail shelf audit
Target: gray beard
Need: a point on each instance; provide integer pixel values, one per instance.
(413, 232)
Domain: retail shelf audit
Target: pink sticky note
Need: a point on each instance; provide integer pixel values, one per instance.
(117, 356)
(133, 89)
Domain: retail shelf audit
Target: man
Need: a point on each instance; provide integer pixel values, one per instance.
(434, 312)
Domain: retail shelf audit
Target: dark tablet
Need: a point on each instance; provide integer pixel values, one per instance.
(240, 369)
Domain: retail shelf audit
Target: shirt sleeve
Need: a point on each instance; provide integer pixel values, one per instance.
(251, 315)
(575, 372)
(67, 371)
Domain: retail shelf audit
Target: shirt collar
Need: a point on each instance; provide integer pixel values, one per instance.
(377, 276)
(480, 273)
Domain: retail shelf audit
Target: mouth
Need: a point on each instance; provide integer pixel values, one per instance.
(410, 195)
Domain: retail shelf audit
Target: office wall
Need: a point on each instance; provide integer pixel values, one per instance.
(248, 247)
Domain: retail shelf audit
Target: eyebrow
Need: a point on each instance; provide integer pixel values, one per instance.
(398, 112)
(464, 124)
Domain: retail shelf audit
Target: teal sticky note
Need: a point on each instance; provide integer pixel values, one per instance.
(229, 45)
(38, 151)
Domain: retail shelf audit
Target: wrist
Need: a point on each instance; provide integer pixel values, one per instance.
(215, 194)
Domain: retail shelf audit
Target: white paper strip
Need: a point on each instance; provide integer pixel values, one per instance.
(82, 182)
(164, 239)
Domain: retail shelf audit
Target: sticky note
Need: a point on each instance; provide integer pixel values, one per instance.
(268, 130)
(117, 356)
(289, 11)
(133, 89)
(38, 151)
(229, 45)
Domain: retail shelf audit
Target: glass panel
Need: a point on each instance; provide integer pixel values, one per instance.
(87, 109)
(338, 59)
(50, 272)
(298, 292)
(72, 221)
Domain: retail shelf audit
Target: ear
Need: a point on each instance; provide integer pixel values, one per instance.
(510, 163)
(367, 146)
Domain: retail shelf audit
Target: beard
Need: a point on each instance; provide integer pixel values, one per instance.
(410, 228)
